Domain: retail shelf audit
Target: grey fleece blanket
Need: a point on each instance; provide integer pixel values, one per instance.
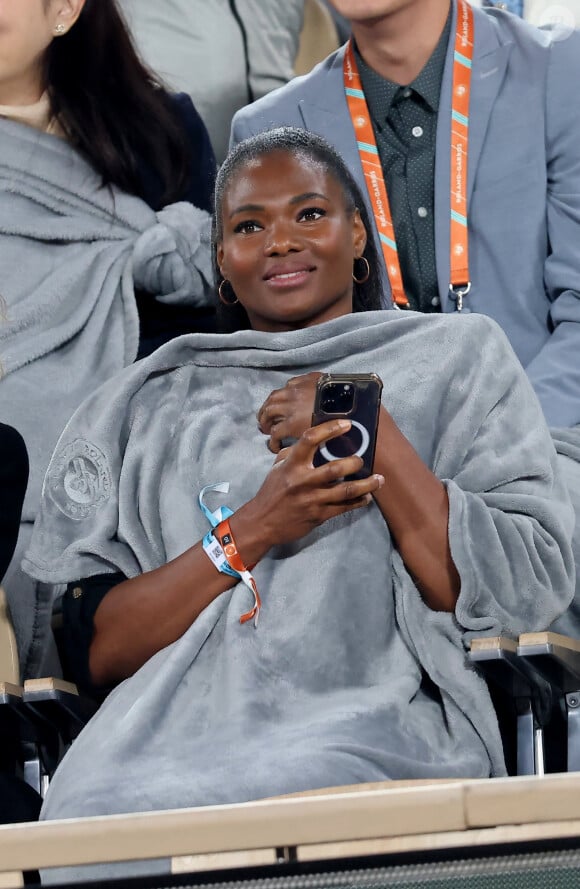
(349, 676)
(567, 443)
(71, 255)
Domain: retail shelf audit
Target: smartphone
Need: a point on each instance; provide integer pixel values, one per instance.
(354, 397)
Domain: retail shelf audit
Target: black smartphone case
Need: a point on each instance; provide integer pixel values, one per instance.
(361, 438)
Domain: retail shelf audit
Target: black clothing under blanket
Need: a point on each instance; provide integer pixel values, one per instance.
(13, 481)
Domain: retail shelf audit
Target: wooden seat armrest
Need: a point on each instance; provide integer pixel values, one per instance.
(59, 703)
(10, 692)
(484, 647)
(48, 685)
(497, 658)
(555, 657)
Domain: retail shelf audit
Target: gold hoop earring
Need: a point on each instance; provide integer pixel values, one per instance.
(60, 28)
(367, 272)
(226, 302)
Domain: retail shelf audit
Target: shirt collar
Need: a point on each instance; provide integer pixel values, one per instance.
(380, 93)
(428, 81)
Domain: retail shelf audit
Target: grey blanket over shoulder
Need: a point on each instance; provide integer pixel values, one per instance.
(71, 255)
(349, 676)
(567, 443)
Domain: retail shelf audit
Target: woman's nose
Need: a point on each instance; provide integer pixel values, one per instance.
(281, 238)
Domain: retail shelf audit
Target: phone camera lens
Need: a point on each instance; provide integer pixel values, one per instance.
(337, 398)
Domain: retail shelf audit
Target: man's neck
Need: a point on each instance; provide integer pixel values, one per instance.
(398, 45)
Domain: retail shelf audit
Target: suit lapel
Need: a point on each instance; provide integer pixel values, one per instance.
(325, 111)
(489, 66)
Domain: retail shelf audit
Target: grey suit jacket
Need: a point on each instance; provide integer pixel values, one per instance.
(523, 179)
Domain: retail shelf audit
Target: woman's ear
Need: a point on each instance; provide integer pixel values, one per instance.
(66, 12)
(359, 235)
(219, 255)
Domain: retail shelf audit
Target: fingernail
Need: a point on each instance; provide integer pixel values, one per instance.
(380, 479)
(343, 424)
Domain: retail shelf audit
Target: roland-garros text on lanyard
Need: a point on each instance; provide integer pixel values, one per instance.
(459, 260)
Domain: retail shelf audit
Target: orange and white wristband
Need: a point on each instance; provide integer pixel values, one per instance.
(220, 548)
(223, 534)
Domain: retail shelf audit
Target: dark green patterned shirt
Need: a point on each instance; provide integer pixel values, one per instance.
(405, 122)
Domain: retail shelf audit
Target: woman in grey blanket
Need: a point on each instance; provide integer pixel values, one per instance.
(92, 149)
(370, 589)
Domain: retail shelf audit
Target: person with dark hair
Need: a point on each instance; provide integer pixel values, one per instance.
(92, 89)
(366, 295)
(105, 186)
(366, 589)
(116, 112)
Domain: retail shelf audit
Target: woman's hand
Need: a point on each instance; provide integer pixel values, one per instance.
(287, 412)
(297, 497)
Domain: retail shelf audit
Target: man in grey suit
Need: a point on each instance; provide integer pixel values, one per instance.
(522, 191)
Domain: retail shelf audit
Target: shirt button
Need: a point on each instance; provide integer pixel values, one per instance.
(422, 212)
(435, 301)
(407, 92)
(417, 132)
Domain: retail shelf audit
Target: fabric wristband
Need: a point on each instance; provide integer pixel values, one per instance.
(227, 562)
(215, 554)
(223, 534)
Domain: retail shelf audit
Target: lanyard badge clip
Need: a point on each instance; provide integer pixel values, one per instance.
(457, 292)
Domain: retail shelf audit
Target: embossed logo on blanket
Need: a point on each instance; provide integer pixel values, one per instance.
(79, 480)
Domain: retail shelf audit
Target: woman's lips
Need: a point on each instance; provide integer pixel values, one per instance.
(283, 280)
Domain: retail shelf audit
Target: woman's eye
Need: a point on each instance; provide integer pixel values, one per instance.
(310, 214)
(247, 227)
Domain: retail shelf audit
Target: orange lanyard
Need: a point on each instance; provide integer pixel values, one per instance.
(373, 172)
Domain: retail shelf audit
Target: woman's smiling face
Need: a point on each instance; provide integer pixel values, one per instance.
(288, 242)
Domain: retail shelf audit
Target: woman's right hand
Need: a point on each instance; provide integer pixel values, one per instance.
(297, 497)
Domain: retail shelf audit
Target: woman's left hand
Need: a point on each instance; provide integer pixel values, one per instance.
(287, 412)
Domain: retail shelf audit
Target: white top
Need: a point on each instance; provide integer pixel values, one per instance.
(37, 115)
